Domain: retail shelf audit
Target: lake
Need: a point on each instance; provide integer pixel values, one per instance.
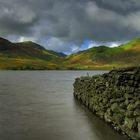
(39, 105)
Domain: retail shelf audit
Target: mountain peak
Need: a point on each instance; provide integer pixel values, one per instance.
(31, 45)
(5, 44)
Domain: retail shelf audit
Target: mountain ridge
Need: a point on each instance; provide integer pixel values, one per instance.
(30, 55)
(27, 55)
(126, 55)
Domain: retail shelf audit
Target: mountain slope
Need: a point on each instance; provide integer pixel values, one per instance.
(104, 57)
(35, 50)
(27, 55)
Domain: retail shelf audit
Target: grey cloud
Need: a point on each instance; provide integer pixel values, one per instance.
(120, 6)
(72, 21)
(16, 19)
(60, 45)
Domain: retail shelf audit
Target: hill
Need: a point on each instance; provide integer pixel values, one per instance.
(103, 57)
(27, 55)
(30, 55)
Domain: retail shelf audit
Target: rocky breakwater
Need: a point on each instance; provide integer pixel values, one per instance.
(114, 97)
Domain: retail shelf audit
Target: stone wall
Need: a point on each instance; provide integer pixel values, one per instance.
(114, 97)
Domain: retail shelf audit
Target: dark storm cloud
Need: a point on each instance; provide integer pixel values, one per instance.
(120, 6)
(16, 19)
(63, 22)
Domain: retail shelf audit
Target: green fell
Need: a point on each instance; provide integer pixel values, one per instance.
(32, 56)
(28, 55)
(103, 57)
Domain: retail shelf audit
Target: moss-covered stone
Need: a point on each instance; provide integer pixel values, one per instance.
(129, 122)
(139, 128)
(114, 97)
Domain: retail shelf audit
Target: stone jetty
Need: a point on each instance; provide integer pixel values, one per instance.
(114, 97)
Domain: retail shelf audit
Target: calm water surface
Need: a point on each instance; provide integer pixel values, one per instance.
(39, 105)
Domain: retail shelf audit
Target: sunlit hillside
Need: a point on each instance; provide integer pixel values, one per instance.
(29, 55)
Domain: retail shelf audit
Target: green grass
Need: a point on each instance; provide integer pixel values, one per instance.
(29, 55)
(130, 44)
(23, 64)
(104, 57)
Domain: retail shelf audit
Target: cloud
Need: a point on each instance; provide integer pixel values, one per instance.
(58, 45)
(93, 44)
(22, 39)
(133, 21)
(64, 25)
(16, 19)
(120, 6)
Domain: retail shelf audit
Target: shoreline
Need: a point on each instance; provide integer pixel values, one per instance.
(114, 97)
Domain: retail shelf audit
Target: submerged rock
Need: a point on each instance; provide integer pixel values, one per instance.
(114, 97)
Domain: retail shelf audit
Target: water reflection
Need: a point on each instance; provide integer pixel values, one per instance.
(100, 129)
(39, 105)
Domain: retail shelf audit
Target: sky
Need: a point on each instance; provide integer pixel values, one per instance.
(70, 25)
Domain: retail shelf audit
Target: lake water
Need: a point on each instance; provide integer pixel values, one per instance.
(39, 105)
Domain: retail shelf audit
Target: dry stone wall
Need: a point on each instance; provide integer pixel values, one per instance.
(114, 97)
